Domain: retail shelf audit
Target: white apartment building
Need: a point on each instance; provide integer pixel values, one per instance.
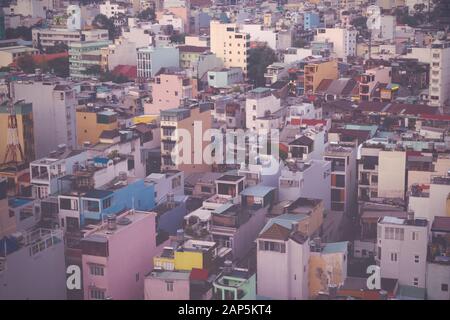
(434, 202)
(387, 29)
(122, 52)
(32, 8)
(169, 19)
(54, 104)
(50, 37)
(311, 179)
(344, 40)
(151, 59)
(229, 43)
(282, 260)
(111, 9)
(402, 250)
(440, 73)
(260, 102)
(45, 172)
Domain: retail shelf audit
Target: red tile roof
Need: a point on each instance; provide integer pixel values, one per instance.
(198, 274)
(128, 71)
(442, 117)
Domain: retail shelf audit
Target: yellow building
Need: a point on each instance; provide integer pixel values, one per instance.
(25, 130)
(327, 266)
(190, 254)
(229, 44)
(92, 122)
(315, 72)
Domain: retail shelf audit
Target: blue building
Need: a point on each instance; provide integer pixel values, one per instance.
(311, 20)
(77, 210)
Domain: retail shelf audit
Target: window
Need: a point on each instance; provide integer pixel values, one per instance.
(416, 259)
(416, 282)
(97, 294)
(394, 256)
(415, 235)
(206, 189)
(97, 270)
(107, 203)
(272, 246)
(137, 277)
(169, 286)
(11, 213)
(444, 287)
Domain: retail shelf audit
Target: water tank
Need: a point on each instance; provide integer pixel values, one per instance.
(112, 222)
(180, 235)
(227, 267)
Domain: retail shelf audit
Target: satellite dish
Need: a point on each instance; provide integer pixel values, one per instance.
(373, 17)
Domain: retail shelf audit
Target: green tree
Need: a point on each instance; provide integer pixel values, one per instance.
(177, 38)
(259, 59)
(26, 63)
(59, 67)
(103, 22)
(147, 15)
(93, 70)
(19, 32)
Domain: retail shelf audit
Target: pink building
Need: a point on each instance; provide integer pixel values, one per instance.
(171, 87)
(117, 255)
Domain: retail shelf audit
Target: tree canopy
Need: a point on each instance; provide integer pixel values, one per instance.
(259, 59)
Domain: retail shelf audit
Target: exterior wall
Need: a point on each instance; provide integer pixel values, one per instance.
(235, 54)
(122, 53)
(276, 272)
(156, 289)
(257, 33)
(310, 188)
(325, 269)
(169, 93)
(130, 259)
(344, 41)
(244, 237)
(440, 74)
(88, 129)
(437, 275)
(269, 103)
(151, 60)
(38, 277)
(404, 269)
(391, 174)
(49, 106)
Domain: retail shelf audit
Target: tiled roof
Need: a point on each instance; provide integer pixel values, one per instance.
(276, 232)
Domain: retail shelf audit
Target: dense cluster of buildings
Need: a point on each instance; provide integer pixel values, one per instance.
(340, 160)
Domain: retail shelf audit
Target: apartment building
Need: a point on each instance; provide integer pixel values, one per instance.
(190, 120)
(25, 129)
(343, 176)
(53, 102)
(28, 261)
(438, 266)
(402, 249)
(150, 60)
(112, 9)
(92, 121)
(431, 200)
(382, 173)
(84, 56)
(316, 71)
(229, 43)
(369, 86)
(440, 73)
(260, 102)
(117, 255)
(306, 179)
(172, 88)
(344, 41)
(45, 172)
(45, 38)
(283, 259)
